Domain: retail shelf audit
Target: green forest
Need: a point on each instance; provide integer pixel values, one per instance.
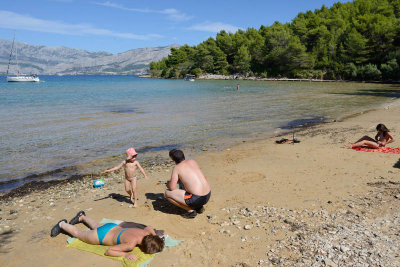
(357, 40)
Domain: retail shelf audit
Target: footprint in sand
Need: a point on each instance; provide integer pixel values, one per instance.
(36, 237)
(251, 177)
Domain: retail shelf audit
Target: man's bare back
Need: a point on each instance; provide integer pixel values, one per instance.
(196, 190)
(192, 177)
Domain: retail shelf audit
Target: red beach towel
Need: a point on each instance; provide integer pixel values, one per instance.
(393, 150)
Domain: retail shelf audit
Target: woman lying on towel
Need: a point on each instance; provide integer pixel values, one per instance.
(121, 239)
(382, 138)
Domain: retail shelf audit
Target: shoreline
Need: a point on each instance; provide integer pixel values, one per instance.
(240, 77)
(157, 160)
(32, 185)
(90, 160)
(29, 184)
(312, 202)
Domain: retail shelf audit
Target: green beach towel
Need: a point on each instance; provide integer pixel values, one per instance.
(142, 258)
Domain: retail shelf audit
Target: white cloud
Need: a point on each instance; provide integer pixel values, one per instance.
(213, 27)
(11, 20)
(171, 13)
(175, 15)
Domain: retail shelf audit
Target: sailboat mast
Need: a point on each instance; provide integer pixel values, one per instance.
(16, 57)
(9, 60)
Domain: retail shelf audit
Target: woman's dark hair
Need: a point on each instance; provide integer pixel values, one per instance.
(382, 127)
(177, 155)
(152, 244)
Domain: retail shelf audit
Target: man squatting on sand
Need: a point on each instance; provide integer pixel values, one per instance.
(196, 191)
(122, 240)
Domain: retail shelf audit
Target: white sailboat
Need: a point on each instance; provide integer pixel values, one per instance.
(18, 77)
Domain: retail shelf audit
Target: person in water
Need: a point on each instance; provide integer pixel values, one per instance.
(122, 240)
(382, 138)
(195, 191)
(130, 164)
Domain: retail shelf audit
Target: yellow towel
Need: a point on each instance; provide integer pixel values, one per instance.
(142, 258)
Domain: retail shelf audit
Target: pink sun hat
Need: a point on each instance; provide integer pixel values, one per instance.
(130, 152)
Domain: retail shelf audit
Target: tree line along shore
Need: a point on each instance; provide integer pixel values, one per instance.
(358, 40)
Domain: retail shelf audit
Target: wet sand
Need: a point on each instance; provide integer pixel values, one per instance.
(311, 202)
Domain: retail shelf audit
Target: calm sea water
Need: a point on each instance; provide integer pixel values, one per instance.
(64, 125)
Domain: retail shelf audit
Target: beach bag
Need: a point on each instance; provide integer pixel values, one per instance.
(98, 183)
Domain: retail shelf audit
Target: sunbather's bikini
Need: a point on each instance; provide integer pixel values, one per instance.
(381, 138)
(103, 230)
(119, 236)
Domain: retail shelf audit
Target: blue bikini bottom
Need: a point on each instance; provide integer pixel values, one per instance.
(103, 230)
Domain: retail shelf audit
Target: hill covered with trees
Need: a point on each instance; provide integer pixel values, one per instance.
(358, 40)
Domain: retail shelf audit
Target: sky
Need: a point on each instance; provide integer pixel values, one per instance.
(116, 26)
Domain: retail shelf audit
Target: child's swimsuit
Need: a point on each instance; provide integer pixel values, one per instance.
(195, 201)
(130, 179)
(103, 230)
(134, 177)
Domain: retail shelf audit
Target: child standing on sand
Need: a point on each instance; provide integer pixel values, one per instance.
(130, 173)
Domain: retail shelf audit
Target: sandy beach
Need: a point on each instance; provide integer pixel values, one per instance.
(287, 204)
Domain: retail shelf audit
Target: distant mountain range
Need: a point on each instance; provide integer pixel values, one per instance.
(45, 60)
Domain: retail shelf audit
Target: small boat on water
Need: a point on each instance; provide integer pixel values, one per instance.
(190, 77)
(18, 77)
(23, 78)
